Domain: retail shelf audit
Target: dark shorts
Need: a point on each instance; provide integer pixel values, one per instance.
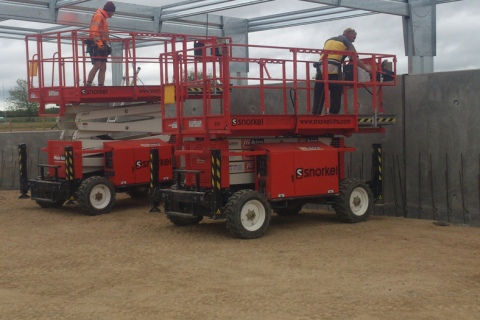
(95, 52)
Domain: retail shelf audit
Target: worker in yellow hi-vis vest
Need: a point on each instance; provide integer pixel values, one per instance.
(343, 42)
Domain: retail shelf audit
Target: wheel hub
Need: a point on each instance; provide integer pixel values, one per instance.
(251, 215)
(357, 201)
(98, 196)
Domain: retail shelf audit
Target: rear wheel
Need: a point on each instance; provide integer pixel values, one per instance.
(354, 201)
(248, 214)
(96, 195)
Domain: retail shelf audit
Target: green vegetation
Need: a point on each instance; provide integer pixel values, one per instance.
(15, 124)
(18, 100)
(21, 114)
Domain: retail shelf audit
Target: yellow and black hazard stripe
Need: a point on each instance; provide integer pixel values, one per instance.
(69, 167)
(70, 172)
(386, 120)
(198, 90)
(216, 159)
(376, 184)
(365, 120)
(381, 120)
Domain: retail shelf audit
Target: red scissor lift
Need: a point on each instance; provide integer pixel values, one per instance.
(247, 143)
(58, 66)
(112, 138)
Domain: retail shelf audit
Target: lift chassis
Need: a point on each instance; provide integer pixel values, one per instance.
(92, 177)
(278, 174)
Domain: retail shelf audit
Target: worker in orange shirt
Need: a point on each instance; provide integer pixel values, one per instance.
(98, 34)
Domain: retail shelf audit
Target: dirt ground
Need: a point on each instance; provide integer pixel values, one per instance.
(131, 264)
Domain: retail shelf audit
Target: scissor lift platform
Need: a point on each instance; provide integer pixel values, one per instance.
(187, 71)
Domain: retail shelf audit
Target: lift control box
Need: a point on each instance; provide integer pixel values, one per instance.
(297, 169)
(128, 162)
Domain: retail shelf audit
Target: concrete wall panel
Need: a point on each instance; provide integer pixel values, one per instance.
(431, 156)
(9, 141)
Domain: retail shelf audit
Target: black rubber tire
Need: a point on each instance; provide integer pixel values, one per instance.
(138, 192)
(248, 214)
(354, 202)
(47, 204)
(184, 221)
(291, 210)
(96, 195)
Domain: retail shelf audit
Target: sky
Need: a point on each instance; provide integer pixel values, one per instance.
(457, 40)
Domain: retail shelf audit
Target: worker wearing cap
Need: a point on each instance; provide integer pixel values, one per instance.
(99, 35)
(343, 42)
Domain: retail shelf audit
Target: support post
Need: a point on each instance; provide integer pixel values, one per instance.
(70, 173)
(22, 163)
(154, 172)
(216, 159)
(377, 173)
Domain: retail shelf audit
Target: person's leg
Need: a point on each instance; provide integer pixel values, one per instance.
(91, 75)
(318, 95)
(318, 98)
(336, 91)
(101, 73)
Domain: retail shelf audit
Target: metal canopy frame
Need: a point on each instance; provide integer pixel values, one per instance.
(197, 18)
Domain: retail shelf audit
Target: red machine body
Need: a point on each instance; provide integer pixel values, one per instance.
(123, 162)
(56, 157)
(128, 162)
(291, 170)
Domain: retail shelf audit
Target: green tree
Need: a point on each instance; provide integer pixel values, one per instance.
(199, 75)
(196, 76)
(18, 100)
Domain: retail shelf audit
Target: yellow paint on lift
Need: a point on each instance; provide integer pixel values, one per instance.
(169, 93)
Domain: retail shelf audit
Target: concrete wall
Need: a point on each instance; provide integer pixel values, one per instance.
(431, 159)
(432, 155)
(9, 141)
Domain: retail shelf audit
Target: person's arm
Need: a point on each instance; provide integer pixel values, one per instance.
(360, 64)
(95, 30)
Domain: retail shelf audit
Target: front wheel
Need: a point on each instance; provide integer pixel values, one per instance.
(354, 201)
(96, 195)
(248, 214)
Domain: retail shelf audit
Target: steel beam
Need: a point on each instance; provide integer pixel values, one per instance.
(378, 6)
(64, 3)
(202, 9)
(302, 17)
(395, 7)
(194, 17)
(419, 30)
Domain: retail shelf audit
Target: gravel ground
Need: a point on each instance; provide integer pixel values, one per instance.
(131, 264)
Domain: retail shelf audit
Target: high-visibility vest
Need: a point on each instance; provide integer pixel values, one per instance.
(99, 28)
